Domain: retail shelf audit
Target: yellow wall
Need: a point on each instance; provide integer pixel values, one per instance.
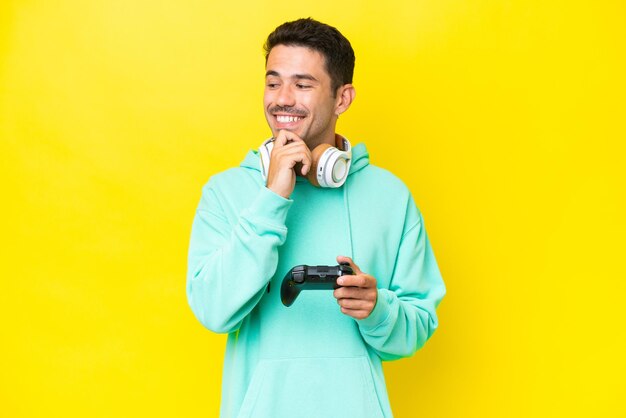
(505, 118)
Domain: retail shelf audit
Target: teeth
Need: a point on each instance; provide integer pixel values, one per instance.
(286, 119)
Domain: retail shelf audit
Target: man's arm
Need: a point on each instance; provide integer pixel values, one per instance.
(398, 320)
(230, 266)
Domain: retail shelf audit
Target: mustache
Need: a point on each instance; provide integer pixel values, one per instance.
(288, 109)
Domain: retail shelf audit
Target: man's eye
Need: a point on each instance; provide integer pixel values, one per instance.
(303, 86)
(272, 85)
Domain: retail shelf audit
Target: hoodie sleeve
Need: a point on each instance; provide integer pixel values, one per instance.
(230, 265)
(404, 316)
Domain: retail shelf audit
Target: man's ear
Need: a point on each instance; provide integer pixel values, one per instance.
(345, 97)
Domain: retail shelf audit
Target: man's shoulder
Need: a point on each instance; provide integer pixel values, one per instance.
(234, 177)
(231, 188)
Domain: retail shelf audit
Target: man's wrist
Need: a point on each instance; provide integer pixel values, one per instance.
(379, 314)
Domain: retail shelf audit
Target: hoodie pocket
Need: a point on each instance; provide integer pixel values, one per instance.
(312, 387)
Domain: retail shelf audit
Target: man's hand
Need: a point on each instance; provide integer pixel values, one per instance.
(289, 150)
(358, 296)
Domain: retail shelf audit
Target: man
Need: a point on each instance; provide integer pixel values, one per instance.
(320, 357)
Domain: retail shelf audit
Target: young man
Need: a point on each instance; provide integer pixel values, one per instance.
(320, 357)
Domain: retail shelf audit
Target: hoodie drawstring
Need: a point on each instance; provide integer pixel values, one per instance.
(347, 207)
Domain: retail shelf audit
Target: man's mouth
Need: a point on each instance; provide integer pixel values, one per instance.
(288, 118)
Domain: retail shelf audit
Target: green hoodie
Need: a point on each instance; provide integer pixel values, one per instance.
(310, 360)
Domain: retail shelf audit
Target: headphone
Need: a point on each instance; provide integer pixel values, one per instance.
(331, 165)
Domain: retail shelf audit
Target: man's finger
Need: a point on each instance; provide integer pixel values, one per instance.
(293, 144)
(355, 313)
(285, 137)
(344, 259)
(356, 304)
(357, 280)
(345, 292)
(297, 156)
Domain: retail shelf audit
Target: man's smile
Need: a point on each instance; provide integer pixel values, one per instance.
(288, 118)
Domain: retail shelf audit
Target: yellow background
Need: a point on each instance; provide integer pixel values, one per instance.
(505, 118)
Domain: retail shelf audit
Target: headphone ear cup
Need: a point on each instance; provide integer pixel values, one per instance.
(316, 154)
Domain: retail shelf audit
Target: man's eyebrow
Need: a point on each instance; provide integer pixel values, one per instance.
(305, 77)
(296, 76)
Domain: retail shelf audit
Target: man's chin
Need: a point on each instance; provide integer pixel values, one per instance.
(276, 131)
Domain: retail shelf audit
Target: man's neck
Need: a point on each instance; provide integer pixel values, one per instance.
(328, 139)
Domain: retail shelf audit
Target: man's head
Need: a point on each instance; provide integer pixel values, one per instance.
(309, 67)
(328, 41)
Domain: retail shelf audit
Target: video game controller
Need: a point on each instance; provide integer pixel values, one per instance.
(311, 278)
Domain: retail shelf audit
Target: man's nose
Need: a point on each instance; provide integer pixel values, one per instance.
(285, 96)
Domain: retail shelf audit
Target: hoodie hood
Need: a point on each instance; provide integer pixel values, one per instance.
(360, 159)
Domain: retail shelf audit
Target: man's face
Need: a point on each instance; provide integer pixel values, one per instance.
(298, 95)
